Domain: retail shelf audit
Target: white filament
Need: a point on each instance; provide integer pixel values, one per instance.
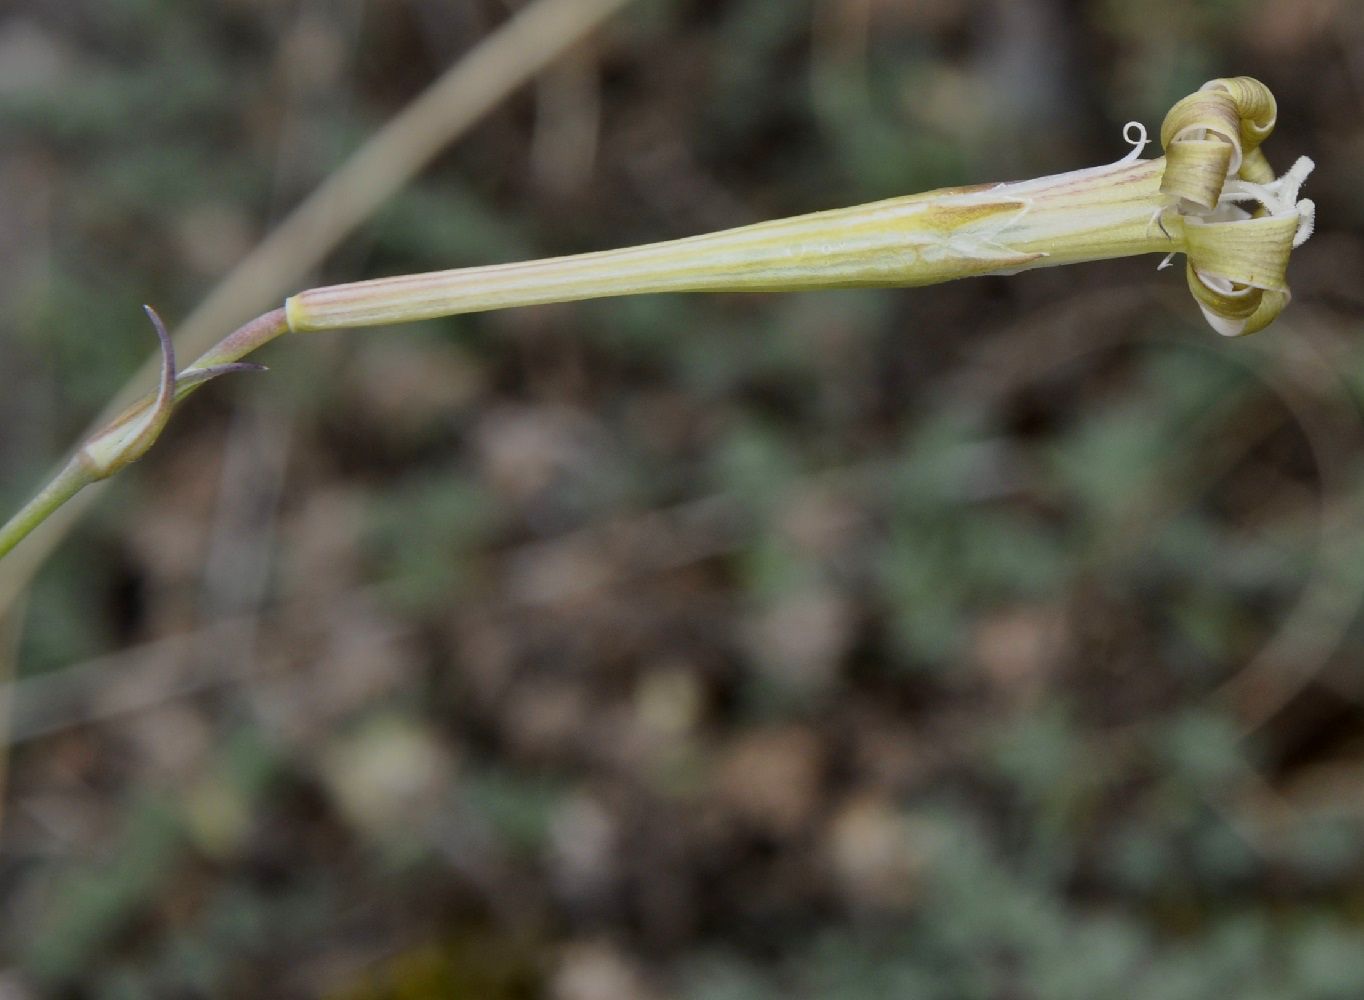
(1134, 134)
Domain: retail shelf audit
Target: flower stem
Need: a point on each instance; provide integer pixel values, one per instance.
(73, 477)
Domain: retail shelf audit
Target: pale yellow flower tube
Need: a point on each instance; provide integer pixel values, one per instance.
(1099, 212)
(1186, 201)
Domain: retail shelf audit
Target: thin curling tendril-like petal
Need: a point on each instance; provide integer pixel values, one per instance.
(1250, 252)
(1256, 109)
(1241, 221)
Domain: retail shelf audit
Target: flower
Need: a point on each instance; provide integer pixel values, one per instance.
(1236, 257)
(1191, 200)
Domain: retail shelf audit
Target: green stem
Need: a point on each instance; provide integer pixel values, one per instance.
(236, 345)
(75, 476)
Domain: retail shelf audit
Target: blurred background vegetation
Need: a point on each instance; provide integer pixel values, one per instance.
(994, 640)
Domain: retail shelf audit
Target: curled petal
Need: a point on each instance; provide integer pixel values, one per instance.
(1235, 311)
(1197, 170)
(1241, 222)
(1256, 168)
(1255, 107)
(1226, 306)
(1202, 140)
(1251, 252)
(1271, 305)
(1193, 117)
(1236, 270)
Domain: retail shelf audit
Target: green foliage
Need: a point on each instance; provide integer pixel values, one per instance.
(517, 808)
(91, 903)
(425, 534)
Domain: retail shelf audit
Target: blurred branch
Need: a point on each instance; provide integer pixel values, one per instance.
(349, 197)
(10, 633)
(132, 680)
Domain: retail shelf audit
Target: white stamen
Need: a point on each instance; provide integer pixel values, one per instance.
(1307, 221)
(1134, 134)
(1294, 177)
